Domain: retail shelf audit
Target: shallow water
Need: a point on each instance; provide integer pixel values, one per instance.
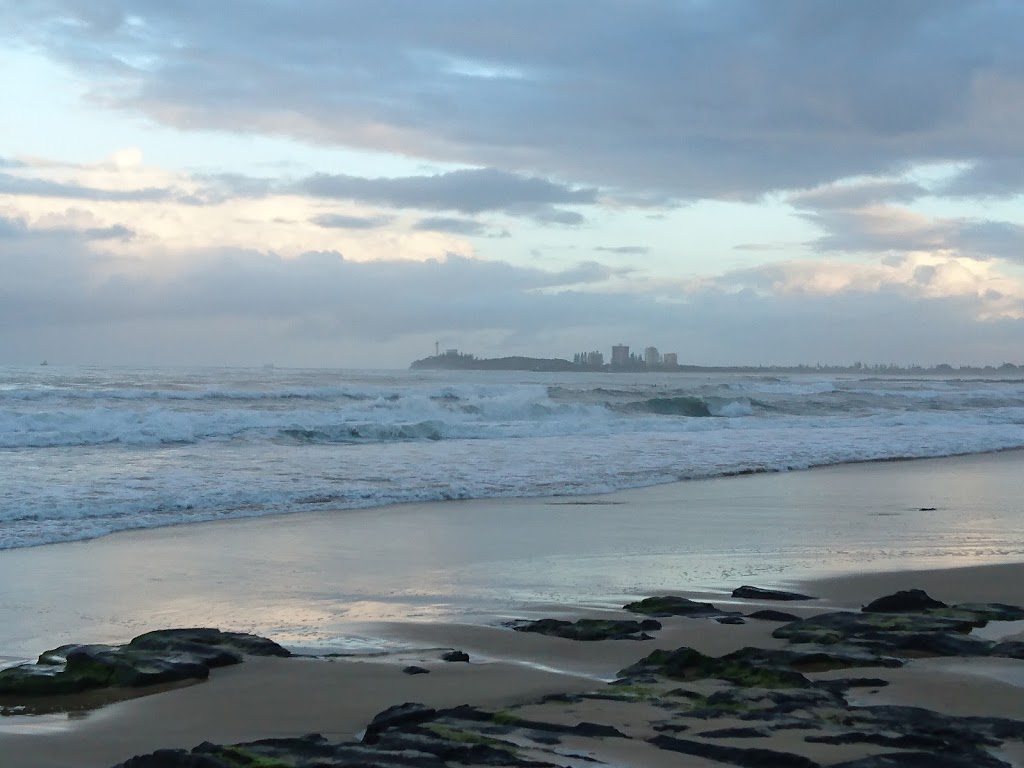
(321, 579)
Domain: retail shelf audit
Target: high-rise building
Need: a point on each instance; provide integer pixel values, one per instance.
(670, 360)
(620, 355)
(651, 357)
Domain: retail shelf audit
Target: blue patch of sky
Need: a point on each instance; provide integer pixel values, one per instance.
(49, 114)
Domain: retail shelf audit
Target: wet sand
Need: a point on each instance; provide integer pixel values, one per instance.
(337, 697)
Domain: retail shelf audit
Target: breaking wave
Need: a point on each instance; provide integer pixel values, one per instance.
(90, 452)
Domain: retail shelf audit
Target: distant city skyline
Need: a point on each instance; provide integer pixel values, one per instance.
(622, 356)
(743, 183)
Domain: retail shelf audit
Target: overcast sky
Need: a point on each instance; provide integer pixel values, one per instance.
(344, 183)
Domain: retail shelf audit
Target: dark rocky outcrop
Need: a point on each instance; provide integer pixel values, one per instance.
(591, 629)
(454, 656)
(757, 593)
(924, 760)
(845, 626)
(409, 713)
(905, 601)
(988, 611)
(754, 667)
(415, 670)
(749, 757)
(933, 632)
(671, 605)
(164, 656)
(770, 614)
(409, 735)
(199, 640)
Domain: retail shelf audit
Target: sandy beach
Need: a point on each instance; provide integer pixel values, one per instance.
(388, 589)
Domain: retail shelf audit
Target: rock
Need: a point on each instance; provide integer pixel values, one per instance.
(164, 656)
(414, 670)
(749, 757)
(591, 629)
(755, 667)
(985, 612)
(730, 620)
(670, 605)
(196, 639)
(757, 593)
(455, 656)
(905, 601)
(399, 715)
(929, 644)
(923, 760)
(845, 626)
(772, 615)
(1010, 649)
(402, 746)
(843, 684)
(735, 733)
(471, 714)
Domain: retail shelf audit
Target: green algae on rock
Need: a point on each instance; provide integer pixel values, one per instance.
(672, 605)
(163, 656)
(592, 629)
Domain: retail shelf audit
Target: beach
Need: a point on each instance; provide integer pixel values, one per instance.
(391, 587)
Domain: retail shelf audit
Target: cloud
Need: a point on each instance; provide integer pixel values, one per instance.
(625, 250)
(683, 100)
(115, 232)
(451, 225)
(63, 296)
(341, 221)
(913, 276)
(466, 191)
(856, 195)
(552, 215)
(885, 229)
(16, 185)
(991, 177)
(57, 228)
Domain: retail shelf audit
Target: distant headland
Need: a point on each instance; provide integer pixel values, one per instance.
(622, 361)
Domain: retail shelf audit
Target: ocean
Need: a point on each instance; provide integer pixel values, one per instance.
(85, 452)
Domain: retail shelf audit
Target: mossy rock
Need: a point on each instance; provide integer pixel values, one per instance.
(844, 626)
(756, 667)
(200, 640)
(591, 629)
(164, 656)
(689, 664)
(980, 613)
(671, 605)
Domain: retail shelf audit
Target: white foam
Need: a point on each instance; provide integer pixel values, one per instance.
(80, 462)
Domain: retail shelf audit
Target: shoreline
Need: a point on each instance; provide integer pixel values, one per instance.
(315, 579)
(595, 497)
(395, 588)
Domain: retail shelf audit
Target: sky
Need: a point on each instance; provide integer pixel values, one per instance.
(343, 184)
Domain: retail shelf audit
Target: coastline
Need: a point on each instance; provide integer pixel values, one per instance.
(313, 580)
(393, 587)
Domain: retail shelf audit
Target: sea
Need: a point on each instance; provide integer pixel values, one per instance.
(85, 452)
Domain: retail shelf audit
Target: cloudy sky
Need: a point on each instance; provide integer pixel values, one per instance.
(345, 183)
